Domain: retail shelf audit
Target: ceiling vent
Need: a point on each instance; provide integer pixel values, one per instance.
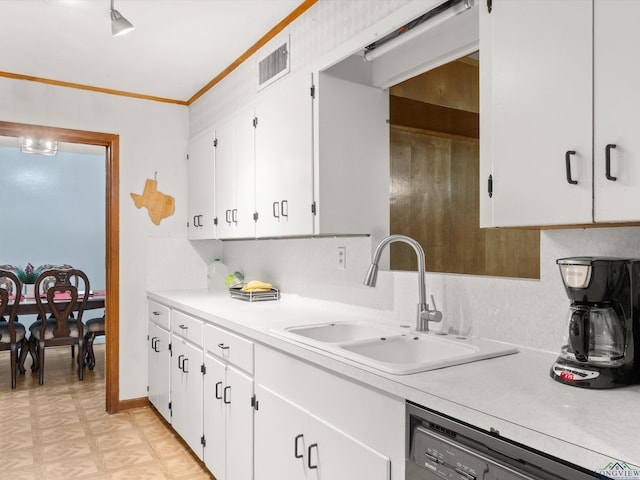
(273, 66)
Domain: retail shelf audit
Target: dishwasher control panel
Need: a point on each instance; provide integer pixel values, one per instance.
(439, 447)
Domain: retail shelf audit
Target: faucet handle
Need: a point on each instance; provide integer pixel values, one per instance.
(433, 315)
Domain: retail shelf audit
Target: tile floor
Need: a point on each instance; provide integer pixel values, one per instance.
(60, 431)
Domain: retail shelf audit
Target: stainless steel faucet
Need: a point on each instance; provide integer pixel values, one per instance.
(424, 315)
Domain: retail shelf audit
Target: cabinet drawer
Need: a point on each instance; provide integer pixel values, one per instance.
(187, 327)
(158, 314)
(229, 347)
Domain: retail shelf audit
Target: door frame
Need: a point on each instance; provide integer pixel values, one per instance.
(112, 232)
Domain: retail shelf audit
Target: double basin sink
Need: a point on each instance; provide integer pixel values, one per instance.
(394, 350)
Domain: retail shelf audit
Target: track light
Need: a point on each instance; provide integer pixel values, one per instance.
(119, 24)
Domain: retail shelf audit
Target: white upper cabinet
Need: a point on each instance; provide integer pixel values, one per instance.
(201, 171)
(352, 157)
(284, 158)
(235, 176)
(558, 96)
(536, 103)
(616, 103)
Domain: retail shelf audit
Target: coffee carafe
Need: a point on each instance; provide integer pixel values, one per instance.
(601, 336)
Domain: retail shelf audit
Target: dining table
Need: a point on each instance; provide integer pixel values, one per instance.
(29, 306)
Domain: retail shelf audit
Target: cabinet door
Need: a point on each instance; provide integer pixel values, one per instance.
(159, 376)
(239, 431)
(284, 158)
(214, 418)
(338, 456)
(186, 392)
(243, 224)
(540, 88)
(224, 178)
(280, 440)
(616, 103)
(235, 176)
(201, 172)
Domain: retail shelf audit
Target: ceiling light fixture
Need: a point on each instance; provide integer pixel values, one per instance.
(119, 24)
(41, 147)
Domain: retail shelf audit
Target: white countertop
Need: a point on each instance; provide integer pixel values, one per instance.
(512, 394)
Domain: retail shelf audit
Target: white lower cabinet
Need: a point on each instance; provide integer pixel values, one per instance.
(312, 424)
(292, 443)
(186, 379)
(159, 359)
(228, 421)
(228, 406)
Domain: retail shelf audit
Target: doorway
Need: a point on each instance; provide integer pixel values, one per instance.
(112, 230)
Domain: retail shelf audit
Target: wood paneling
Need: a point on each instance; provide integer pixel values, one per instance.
(435, 199)
(434, 118)
(454, 85)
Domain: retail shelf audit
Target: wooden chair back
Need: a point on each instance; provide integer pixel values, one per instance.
(62, 292)
(10, 294)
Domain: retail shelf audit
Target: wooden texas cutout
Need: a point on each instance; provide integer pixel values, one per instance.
(158, 204)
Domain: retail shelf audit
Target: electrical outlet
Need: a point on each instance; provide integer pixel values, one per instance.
(342, 258)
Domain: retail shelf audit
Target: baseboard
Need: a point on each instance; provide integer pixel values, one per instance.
(132, 403)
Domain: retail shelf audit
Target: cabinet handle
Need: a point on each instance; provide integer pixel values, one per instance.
(275, 209)
(218, 396)
(223, 346)
(183, 327)
(234, 216)
(567, 159)
(185, 363)
(295, 446)
(284, 207)
(156, 313)
(196, 223)
(226, 389)
(180, 360)
(227, 216)
(607, 154)
(154, 344)
(313, 445)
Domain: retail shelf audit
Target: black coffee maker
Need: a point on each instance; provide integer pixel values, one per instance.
(602, 343)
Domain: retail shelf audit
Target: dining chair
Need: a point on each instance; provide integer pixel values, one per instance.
(44, 286)
(95, 327)
(12, 333)
(60, 296)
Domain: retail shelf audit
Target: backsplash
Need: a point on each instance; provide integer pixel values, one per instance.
(530, 313)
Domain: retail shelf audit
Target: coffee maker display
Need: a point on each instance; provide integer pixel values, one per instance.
(602, 343)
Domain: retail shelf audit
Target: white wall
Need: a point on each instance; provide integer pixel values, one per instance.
(153, 138)
(55, 207)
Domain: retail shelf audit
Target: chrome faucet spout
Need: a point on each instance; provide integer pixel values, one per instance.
(424, 315)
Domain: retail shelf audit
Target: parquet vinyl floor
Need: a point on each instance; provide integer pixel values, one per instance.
(60, 430)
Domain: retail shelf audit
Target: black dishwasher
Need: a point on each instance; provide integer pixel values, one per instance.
(438, 447)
